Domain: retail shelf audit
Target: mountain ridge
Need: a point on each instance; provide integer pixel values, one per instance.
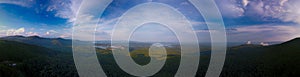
(58, 44)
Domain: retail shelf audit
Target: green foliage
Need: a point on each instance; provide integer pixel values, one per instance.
(24, 60)
(280, 60)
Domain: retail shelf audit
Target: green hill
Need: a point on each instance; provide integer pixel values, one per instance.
(280, 60)
(14, 55)
(20, 58)
(283, 59)
(15, 51)
(24, 60)
(57, 44)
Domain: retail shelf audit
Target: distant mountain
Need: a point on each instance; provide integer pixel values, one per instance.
(58, 44)
(245, 46)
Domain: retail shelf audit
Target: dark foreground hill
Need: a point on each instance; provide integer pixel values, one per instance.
(19, 52)
(24, 60)
(280, 60)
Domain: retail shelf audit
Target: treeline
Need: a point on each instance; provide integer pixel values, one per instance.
(242, 62)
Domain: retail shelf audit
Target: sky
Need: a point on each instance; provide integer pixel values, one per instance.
(245, 20)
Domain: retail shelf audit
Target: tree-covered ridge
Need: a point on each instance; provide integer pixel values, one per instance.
(24, 60)
(19, 59)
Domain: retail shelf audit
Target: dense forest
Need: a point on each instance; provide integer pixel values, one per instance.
(24, 59)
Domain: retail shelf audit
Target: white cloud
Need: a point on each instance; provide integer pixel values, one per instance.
(245, 2)
(31, 34)
(52, 31)
(64, 8)
(168, 17)
(62, 33)
(291, 12)
(285, 10)
(24, 3)
(282, 2)
(19, 31)
(230, 8)
(255, 8)
(86, 20)
(87, 26)
(65, 36)
(2, 33)
(104, 29)
(205, 31)
(184, 3)
(47, 33)
(260, 33)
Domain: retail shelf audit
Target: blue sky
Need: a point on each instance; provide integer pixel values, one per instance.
(254, 20)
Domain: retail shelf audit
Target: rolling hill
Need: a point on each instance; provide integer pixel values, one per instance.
(281, 60)
(15, 54)
(19, 59)
(58, 44)
(39, 57)
(15, 51)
